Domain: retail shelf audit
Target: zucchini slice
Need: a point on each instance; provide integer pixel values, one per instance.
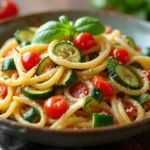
(131, 42)
(37, 94)
(68, 78)
(44, 65)
(25, 34)
(25, 43)
(31, 114)
(122, 74)
(99, 120)
(96, 93)
(8, 64)
(68, 51)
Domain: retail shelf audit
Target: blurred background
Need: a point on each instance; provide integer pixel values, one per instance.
(138, 8)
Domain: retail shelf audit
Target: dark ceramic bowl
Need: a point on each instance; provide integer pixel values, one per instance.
(130, 26)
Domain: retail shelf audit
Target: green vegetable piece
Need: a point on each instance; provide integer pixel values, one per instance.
(68, 78)
(89, 102)
(64, 20)
(8, 64)
(90, 25)
(131, 42)
(137, 65)
(31, 114)
(96, 93)
(37, 94)
(98, 3)
(141, 98)
(145, 51)
(144, 106)
(25, 43)
(48, 32)
(99, 120)
(25, 34)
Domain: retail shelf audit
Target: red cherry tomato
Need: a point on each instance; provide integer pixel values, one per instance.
(121, 54)
(147, 73)
(3, 90)
(79, 88)
(30, 59)
(108, 29)
(101, 83)
(8, 9)
(84, 41)
(129, 108)
(147, 103)
(55, 106)
(138, 48)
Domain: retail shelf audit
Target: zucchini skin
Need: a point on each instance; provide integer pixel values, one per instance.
(67, 82)
(36, 94)
(8, 64)
(68, 46)
(31, 114)
(112, 67)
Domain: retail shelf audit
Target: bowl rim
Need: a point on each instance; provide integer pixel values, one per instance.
(99, 130)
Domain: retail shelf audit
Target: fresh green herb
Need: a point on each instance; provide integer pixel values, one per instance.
(141, 98)
(144, 106)
(55, 29)
(16, 50)
(5, 78)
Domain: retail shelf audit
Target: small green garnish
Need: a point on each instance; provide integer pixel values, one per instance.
(55, 29)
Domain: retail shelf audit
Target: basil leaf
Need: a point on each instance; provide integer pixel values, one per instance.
(90, 25)
(48, 32)
(64, 20)
(141, 98)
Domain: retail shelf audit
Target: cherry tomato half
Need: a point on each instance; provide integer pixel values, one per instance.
(8, 9)
(84, 41)
(101, 83)
(3, 90)
(30, 59)
(147, 103)
(147, 73)
(121, 54)
(55, 106)
(78, 89)
(129, 108)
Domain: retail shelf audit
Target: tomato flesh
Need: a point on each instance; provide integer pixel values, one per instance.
(30, 59)
(3, 90)
(78, 89)
(8, 9)
(55, 106)
(121, 54)
(129, 108)
(84, 41)
(147, 73)
(101, 83)
(147, 103)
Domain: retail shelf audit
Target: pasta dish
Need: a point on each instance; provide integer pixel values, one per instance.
(77, 75)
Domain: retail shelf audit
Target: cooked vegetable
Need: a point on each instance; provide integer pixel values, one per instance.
(123, 75)
(100, 119)
(43, 65)
(3, 90)
(8, 64)
(84, 41)
(31, 114)
(22, 35)
(37, 94)
(55, 106)
(30, 59)
(68, 51)
(68, 78)
(131, 42)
